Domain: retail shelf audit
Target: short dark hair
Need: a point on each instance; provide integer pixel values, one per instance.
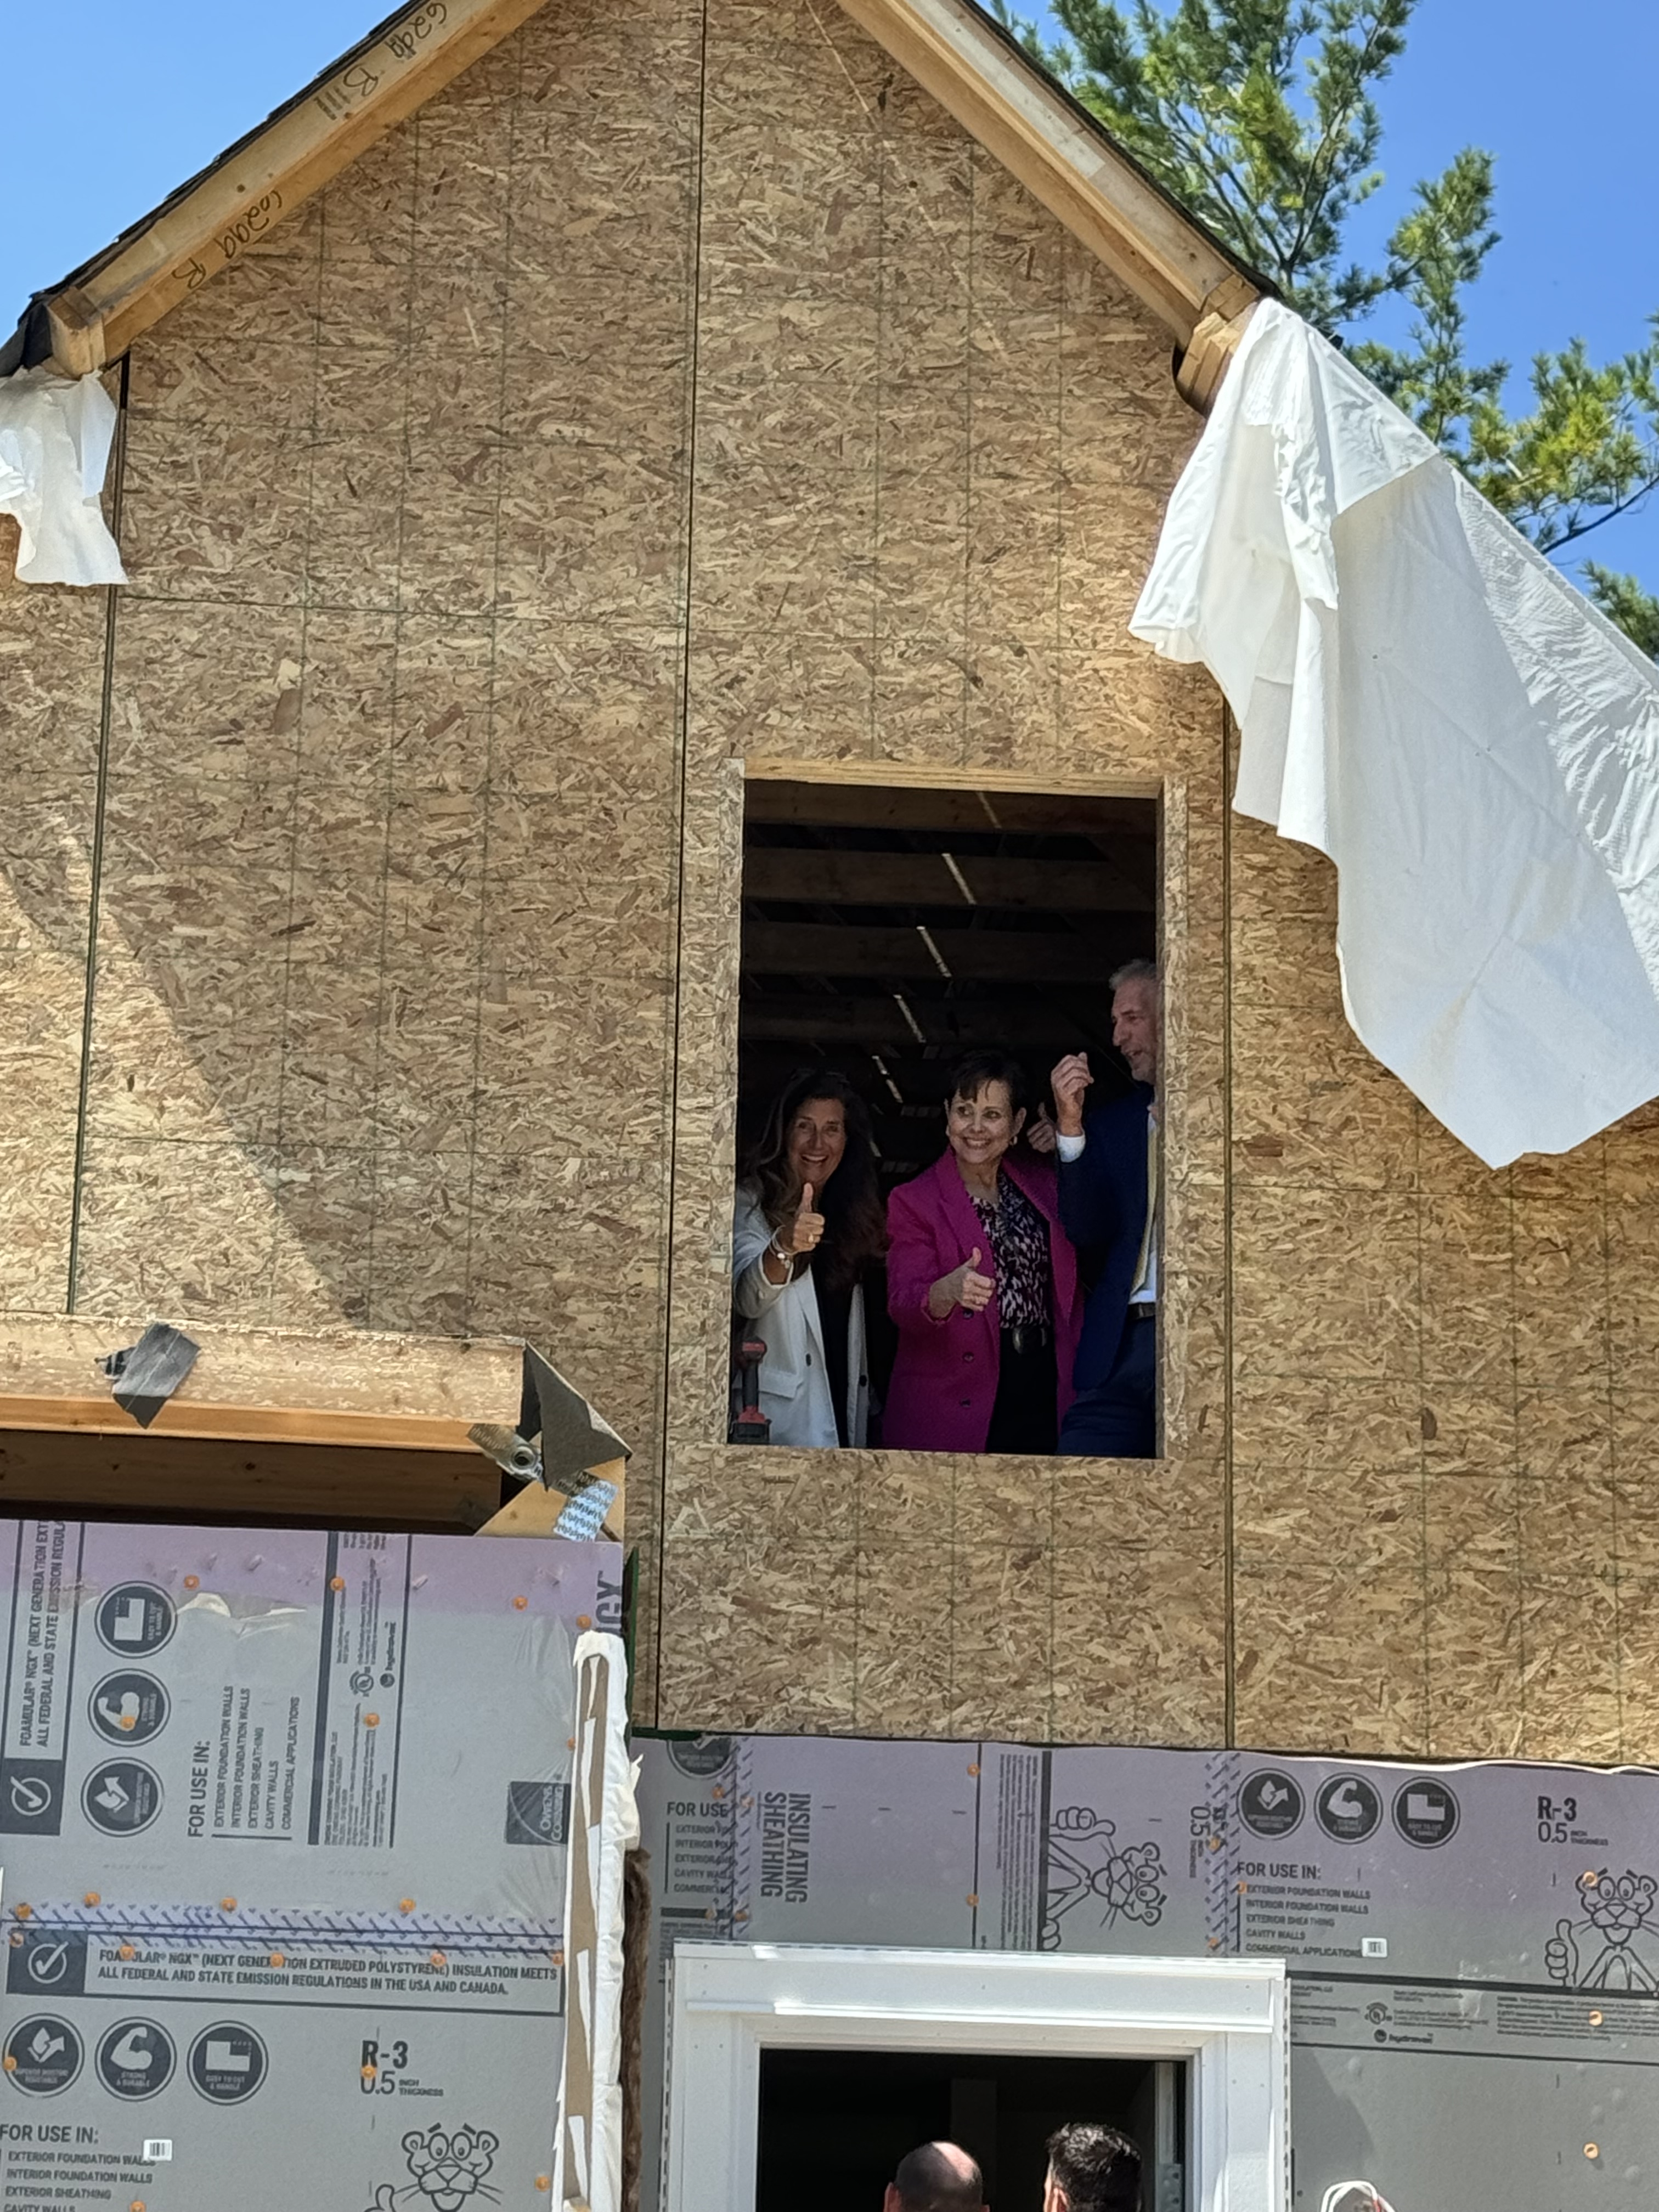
(970, 1075)
(927, 2181)
(1099, 2168)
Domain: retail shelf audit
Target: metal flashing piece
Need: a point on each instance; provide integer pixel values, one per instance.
(573, 1438)
(146, 1374)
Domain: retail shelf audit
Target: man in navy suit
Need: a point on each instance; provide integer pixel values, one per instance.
(1109, 1204)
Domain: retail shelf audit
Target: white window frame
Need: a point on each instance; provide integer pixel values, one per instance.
(1225, 2017)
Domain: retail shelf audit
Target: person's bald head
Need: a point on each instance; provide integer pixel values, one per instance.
(936, 2177)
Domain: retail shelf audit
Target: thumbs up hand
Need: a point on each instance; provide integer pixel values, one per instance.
(963, 1287)
(803, 1234)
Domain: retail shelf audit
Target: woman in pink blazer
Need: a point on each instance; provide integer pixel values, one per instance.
(982, 1283)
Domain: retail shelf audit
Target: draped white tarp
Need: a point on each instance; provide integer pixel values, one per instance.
(55, 433)
(1424, 698)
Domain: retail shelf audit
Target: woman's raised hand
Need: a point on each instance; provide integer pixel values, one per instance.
(805, 1231)
(963, 1287)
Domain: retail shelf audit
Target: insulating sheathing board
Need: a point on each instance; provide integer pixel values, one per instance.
(1473, 1951)
(284, 1818)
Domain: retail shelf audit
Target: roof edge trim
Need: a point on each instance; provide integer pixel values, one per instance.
(95, 314)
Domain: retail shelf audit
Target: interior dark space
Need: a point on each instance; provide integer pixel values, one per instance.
(888, 931)
(835, 2123)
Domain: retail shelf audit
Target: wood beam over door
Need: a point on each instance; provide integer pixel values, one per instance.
(844, 804)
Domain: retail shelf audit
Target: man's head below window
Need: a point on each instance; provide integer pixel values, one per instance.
(936, 2177)
(1092, 2169)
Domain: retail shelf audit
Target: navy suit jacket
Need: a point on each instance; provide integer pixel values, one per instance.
(1102, 1207)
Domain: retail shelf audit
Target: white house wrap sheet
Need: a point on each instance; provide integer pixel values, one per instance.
(1424, 698)
(55, 436)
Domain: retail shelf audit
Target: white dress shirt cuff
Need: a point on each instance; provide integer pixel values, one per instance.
(1070, 1148)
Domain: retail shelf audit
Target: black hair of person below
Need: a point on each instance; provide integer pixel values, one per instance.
(928, 2181)
(970, 1075)
(1098, 2167)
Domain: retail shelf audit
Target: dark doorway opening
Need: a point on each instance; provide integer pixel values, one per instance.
(888, 931)
(835, 2123)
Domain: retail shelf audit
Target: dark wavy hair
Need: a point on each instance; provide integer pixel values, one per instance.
(971, 1074)
(855, 1222)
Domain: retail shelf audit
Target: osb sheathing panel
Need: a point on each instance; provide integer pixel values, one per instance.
(1444, 1470)
(51, 668)
(931, 441)
(383, 1025)
(683, 389)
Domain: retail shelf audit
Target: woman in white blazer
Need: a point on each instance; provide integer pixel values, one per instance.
(808, 1220)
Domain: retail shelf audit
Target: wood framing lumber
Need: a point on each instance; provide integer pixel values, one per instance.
(807, 948)
(1214, 341)
(789, 876)
(411, 1393)
(1029, 125)
(58, 1471)
(206, 226)
(532, 1511)
(1021, 1018)
(535, 1510)
(921, 782)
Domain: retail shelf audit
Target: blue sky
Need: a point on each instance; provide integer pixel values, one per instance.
(122, 103)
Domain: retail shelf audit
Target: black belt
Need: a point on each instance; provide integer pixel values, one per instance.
(1142, 1310)
(1024, 1336)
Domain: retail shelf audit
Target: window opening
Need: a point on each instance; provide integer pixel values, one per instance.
(888, 933)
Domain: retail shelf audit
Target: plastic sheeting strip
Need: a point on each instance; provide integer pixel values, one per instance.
(55, 438)
(605, 1826)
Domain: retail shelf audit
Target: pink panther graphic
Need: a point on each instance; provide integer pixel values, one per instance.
(449, 2167)
(1086, 1869)
(1598, 1953)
